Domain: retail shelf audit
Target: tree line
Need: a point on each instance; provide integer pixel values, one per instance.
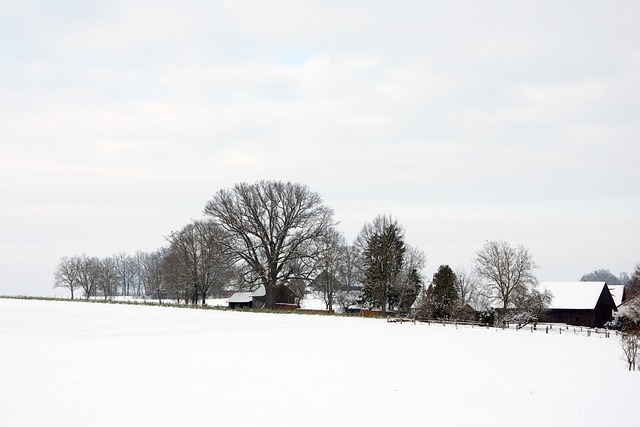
(268, 233)
(272, 233)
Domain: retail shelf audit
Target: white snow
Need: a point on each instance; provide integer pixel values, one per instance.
(314, 301)
(78, 364)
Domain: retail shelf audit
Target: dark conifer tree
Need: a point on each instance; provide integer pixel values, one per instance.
(443, 293)
(382, 260)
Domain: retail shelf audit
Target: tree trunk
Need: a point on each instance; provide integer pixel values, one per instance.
(270, 297)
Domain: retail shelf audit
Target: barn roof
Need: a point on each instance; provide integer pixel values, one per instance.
(616, 293)
(239, 297)
(574, 295)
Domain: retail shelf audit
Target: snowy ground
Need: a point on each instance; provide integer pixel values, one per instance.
(76, 364)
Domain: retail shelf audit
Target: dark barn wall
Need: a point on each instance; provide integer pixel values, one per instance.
(594, 318)
(604, 308)
(240, 305)
(571, 317)
(284, 295)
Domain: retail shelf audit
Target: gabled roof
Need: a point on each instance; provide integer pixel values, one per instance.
(574, 295)
(240, 297)
(616, 293)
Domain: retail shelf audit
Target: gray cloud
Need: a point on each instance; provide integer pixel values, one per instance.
(469, 122)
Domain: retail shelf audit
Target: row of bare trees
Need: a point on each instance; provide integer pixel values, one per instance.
(192, 266)
(115, 275)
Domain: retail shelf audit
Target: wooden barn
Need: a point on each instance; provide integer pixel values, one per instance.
(251, 299)
(579, 303)
(286, 299)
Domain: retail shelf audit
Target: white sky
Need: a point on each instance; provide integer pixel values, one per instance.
(468, 121)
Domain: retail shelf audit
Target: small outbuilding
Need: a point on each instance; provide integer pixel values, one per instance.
(579, 303)
(251, 299)
(467, 313)
(286, 299)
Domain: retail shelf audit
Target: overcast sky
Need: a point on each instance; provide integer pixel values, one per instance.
(467, 121)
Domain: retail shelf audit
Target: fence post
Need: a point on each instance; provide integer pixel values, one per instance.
(546, 330)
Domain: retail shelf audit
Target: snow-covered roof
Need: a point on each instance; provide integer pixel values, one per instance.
(248, 296)
(241, 297)
(616, 293)
(260, 291)
(573, 295)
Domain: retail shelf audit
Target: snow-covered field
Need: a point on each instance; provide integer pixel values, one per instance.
(76, 364)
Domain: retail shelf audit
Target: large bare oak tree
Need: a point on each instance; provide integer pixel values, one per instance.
(273, 227)
(507, 273)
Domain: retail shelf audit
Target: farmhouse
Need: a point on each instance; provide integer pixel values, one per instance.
(579, 303)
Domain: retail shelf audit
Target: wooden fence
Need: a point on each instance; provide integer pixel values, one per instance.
(544, 328)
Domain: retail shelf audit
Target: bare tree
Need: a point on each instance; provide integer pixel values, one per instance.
(150, 267)
(408, 285)
(629, 345)
(271, 227)
(467, 283)
(507, 271)
(348, 275)
(106, 277)
(127, 270)
(67, 274)
(632, 287)
(175, 276)
(348, 272)
(88, 274)
(331, 256)
(200, 254)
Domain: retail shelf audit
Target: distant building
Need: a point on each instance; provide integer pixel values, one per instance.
(286, 299)
(467, 313)
(247, 299)
(617, 292)
(579, 303)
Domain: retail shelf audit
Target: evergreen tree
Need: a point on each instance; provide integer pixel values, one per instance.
(383, 251)
(443, 293)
